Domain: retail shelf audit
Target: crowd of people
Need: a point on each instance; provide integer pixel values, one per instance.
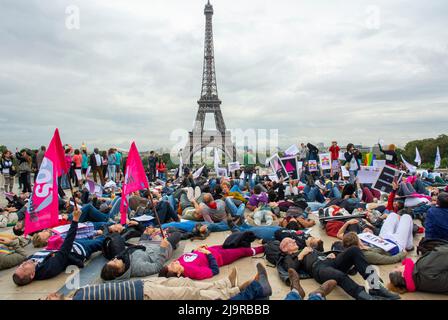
(279, 212)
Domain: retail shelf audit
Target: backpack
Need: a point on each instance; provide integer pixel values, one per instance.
(272, 252)
(427, 245)
(113, 245)
(239, 240)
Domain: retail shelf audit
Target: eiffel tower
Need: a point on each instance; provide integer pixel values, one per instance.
(209, 102)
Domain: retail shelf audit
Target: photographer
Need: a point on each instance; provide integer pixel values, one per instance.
(353, 157)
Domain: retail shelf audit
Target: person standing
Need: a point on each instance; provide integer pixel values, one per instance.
(96, 163)
(111, 161)
(161, 169)
(353, 157)
(118, 157)
(335, 164)
(104, 163)
(152, 166)
(25, 162)
(77, 160)
(391, 155)
(303, 152)
(85, 163)
(7, 170)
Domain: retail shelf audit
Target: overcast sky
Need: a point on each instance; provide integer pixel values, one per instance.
(317, 70)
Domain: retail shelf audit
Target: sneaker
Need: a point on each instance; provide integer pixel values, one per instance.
(190, 194)
(197, 193)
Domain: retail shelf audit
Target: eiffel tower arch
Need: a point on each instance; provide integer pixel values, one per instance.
(209, 103)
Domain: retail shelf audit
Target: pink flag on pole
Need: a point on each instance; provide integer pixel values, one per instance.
(135, 180)
(43, 211)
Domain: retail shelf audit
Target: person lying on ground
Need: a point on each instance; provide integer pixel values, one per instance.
(176, 289)
(323, 267)
(436, 221)
(373, 255)
(428, 274)
(204, 262)
(11, 252)
(47, 264)
(88, 230)
(143, 260)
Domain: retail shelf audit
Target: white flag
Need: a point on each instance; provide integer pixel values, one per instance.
(410, 167)
(216, 160)
(438, 159)
(180, 173)
(418, 159)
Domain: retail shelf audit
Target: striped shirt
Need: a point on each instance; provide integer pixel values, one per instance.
(126, 290)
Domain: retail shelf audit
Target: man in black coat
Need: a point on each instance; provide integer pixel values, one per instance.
(47, 264)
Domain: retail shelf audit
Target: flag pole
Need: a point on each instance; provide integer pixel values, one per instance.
(155, 212)
(71, 190)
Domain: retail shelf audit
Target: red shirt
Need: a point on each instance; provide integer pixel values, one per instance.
(77, 159)
(334, 152)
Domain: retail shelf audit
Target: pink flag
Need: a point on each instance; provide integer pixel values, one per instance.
(135, 180)
(42, 211)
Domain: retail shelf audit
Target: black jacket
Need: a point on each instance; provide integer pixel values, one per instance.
(57, 262)
(92, 161)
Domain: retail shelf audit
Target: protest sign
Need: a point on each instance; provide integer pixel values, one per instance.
(278, 167)
(312, 166)
(291, 167)
(325, 161)
(368, 175)
(385, 178)
(376, 241)
(292, 150)
(233, 166)
(379, 163)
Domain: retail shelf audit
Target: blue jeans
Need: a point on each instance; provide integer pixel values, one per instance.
(335, 192)
(252, 292)
(234, 210)
(314, 206)
(313, 194)
(171, 200)
(236, 188)
(188, 226)
(295, 296)
(165, 212)
(92, 214)
(265, 233)
(91, 245)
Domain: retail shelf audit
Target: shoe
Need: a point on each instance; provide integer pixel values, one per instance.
(321, 213)
(384, 293)
(231, 224)
(365, 296)
(190, 194)
(233, 278)
(197, 193)
(325, 289)
(294, 279)
(263, 280)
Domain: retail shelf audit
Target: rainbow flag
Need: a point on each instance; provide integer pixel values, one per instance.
(368, 159)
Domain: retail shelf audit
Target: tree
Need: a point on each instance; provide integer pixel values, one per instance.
(427, 149)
